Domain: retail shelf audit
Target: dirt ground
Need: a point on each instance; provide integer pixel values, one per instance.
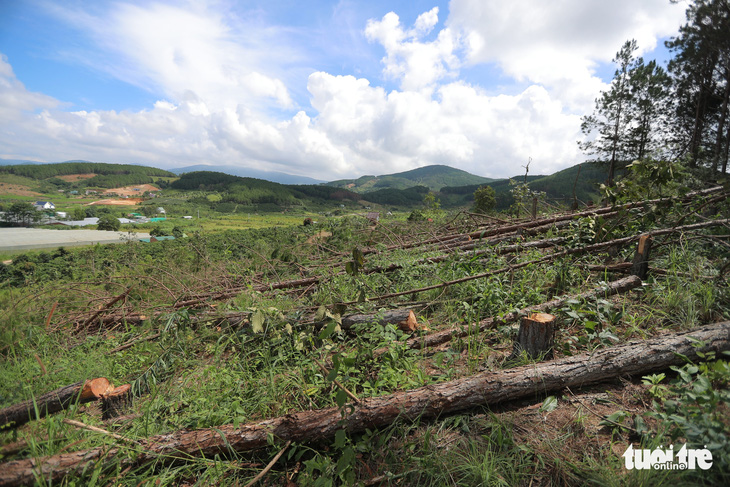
(135, 190)
(76, 177)
(17, 189)
(120, 202)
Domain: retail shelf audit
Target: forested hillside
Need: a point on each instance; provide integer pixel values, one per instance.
(433, 177)
(104, 175)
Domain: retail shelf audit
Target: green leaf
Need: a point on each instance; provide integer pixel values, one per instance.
(328, 330)
(549, 404)
(358, 257)
(321, 313)
(340, 438)
(341, 398)
(351, 268)
(345, 461)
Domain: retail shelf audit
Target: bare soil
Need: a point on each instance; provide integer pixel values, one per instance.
(76, 177)
(119, 202)
(17, 189)
(135, 190)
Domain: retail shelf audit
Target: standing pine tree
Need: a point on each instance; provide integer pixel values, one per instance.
(630, 117)
(701, 71)
(610, 118)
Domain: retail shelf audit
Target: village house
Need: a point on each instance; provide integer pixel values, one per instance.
(44, 205)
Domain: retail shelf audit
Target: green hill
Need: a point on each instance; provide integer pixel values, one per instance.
(105, 175)
(586, 178)
(433, 177)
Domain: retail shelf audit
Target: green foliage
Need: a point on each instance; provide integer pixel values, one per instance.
(21, 213)
(401, 197)
(108, 222)
(649, 179)
(107, 175)
(484, 199)
(694, 407)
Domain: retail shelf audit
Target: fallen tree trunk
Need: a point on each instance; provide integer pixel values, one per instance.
(52, 402)
(404, 318)
(578, 250)
(487, 388)
(615, 287)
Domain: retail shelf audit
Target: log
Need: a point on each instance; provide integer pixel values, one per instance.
(52, 402)
(536, 336)
(116, 402)
(636, 358)
(404, 318)
(614, 287)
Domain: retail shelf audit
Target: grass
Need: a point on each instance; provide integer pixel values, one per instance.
(202, 373)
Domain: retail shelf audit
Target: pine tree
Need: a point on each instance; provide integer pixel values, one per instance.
(701, 71)
(610, 118)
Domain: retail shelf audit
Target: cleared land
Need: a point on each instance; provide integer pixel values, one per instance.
(37, 238)
(120, 202)
(135, 190)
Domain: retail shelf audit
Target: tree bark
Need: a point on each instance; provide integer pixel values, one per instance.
(116, 402)
(404, 318)
(640, 357)
(536, 336)
(52, 402)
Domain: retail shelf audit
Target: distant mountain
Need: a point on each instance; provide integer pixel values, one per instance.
(273, 176)
(433, 177)
(13, 162)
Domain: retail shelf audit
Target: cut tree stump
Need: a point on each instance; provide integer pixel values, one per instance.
(637, 358)
(54, 401)
(116, 402)
(640, 265)
(536, 336)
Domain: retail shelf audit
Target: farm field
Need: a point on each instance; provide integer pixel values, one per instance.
(389, 354)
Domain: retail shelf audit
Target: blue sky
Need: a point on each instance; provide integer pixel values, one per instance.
(324, 89)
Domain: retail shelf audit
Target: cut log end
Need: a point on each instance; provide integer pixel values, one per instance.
(95, 389)
(410, 324)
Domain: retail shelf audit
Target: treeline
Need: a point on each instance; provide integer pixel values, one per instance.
(580, 181)
(400, 197)
(680, 113)
(106, 175)
(236, 190)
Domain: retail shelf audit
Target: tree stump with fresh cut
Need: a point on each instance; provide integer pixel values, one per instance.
(536, 336)
(116, 402)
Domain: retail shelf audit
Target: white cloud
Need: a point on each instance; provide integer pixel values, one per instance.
(418, 64)
(178, 49)
(383, 132)
(560, 44)
(218, 86)
(14, 98)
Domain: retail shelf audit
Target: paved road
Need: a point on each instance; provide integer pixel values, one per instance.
(38, 238)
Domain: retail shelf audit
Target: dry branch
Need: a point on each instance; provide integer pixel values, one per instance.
(487, 388)
(52, 402)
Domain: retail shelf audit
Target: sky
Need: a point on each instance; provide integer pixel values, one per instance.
(325, 89)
